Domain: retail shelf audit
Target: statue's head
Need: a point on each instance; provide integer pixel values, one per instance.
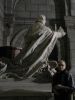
(42, 19)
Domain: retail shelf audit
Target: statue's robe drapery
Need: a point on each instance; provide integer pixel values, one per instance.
(39, 43)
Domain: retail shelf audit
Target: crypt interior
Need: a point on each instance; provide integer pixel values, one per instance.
(16, 16)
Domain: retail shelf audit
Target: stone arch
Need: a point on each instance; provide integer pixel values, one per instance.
(27, 10)
(33, 8)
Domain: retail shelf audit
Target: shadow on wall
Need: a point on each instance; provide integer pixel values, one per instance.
(59, 8)
(62, 8)
(64, 47)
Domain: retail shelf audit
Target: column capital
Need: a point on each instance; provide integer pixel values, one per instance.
(70, 21)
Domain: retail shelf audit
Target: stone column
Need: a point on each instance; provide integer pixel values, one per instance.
(68, 7)
(72, 7)
(70, 25)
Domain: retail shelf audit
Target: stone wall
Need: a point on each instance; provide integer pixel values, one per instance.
(33, 8)
(30, 9)
(72, 7)
(1, 21)
(70, 24)
(27, 10)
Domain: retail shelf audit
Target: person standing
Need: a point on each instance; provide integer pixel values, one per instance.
(62, 84)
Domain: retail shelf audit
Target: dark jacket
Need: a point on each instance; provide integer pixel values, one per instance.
(65, 79)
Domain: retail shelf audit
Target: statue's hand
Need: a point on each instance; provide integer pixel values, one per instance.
(60, 33)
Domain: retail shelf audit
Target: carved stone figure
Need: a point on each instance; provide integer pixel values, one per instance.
(39, 43)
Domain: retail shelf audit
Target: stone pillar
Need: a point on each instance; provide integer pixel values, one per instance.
(72, 7)
(68, 7)
(70, 25)
(1, 21)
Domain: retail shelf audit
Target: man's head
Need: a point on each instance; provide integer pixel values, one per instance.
(61, 65)
(41, 19)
